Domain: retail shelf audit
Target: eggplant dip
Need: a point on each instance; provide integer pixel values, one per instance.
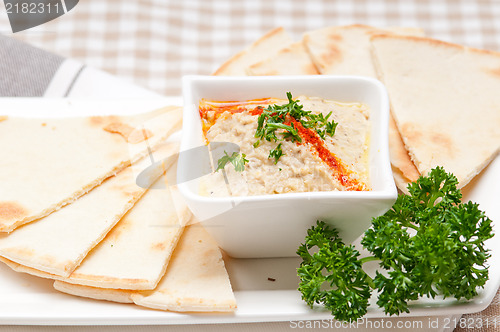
(305, 144)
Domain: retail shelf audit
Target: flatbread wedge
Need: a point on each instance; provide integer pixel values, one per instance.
(48, 163)
(58, 243)
(346, 50)
(195, 281)
(291, 60)
(266, 46)
(444, 100)
(104, 294)
(135, 253)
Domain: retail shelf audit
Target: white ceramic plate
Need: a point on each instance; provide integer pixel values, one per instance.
(29, 300)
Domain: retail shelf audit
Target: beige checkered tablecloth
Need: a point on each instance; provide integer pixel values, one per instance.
(153, 43)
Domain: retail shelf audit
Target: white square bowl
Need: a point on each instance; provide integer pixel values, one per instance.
(275, 225)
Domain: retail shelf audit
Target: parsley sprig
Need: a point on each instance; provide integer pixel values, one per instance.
(237, 159)
(348, 289)
(276, 153)
(444, 253)
(274, 124)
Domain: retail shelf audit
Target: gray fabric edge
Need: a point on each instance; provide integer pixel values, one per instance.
(25, 71)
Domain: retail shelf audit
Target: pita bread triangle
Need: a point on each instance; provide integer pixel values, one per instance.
(291, 60)
(104, 294)
(346, 50)
(267, 45)
(444, 100)
(149, 230)
(195, 281)
(58, 243)
(196, 278)
(48, 163)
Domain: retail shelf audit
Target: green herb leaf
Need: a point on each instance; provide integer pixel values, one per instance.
(333, 263)
(330, 128)
(276, 153)
(272, 128)
(237, 159)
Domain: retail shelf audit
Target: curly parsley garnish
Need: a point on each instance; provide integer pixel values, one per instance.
(237, 159)
(428, 243)
(274, 124)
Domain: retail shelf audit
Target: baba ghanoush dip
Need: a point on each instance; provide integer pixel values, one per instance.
(302, 144)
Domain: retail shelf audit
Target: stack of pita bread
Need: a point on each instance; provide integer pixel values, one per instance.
(71, 210)
(445, 105)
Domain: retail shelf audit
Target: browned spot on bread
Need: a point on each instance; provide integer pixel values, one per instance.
(11, 211)
(96, 120)
(209, 254)
(3, 117)
(310, 69)
(444, 141)
(128, 191)
(99, 121)
(123, 226)
(160, 246)
(20, 252)
(399, 155)
(334, 54)
(130, 134)
(68, 266)
(411, 132)
(377, 33)
(335, 37)
(268, 35)
(44, 124)
(119, 128)
(494, 72)
(140, 135)
(164, 291)
(114, 234)
(428, 137)
(52, 261)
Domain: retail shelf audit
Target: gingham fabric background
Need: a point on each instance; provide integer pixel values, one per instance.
(153, 43)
